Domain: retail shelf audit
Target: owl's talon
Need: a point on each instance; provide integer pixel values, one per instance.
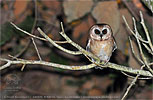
(97, 67)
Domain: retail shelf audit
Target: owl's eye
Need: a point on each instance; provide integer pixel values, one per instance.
(104, 31)
(97, 31)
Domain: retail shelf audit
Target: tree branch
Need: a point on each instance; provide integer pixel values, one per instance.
(143, 59)
(83, 67)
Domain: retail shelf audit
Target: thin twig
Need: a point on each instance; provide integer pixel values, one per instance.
(148, 49)
(14, 57)
(130, 76)
(136, 56)
(48, 39)
(34, 24)
(140, 48)
(146, 31)
(34, 35)
(140, 38)
(62, 42)
(22, 68)
(130, 86)
(144, 61)
(27, 32)
(58, 46)
(36, 49)
(132, 83)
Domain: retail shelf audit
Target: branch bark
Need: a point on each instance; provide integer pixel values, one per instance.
(68, 67)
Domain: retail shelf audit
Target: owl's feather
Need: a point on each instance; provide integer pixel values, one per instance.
(101, 43)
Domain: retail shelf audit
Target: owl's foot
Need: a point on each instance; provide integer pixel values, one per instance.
(97, 67)
(102, 65)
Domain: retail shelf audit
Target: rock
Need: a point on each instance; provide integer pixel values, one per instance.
(20, 10)
(102, 82)
(122, 35)
(67, 87)
(145, 94)
(88, 85)
(80, 33)
(42, 82)
(76, 9)
(107, 12)
(53, 6)
(49, 15)
(95, 92)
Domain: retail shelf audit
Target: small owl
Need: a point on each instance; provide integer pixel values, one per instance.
(101, 41)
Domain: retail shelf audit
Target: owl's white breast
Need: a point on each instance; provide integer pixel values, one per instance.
(103, 54)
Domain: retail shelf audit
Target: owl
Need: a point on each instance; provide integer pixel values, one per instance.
(101, 42)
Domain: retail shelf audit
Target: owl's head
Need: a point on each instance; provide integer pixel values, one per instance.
(100, 32)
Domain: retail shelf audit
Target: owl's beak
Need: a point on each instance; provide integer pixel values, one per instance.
(101, 35)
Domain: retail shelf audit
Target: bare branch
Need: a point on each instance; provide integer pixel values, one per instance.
(22, 61)
(140, 48)
(149, 50)
(61, 42)
(83, 67)
(23, 67)
(146, 31)
(143, 61)
(140, 38)
(132, 83)
(134, 76)
(58, 46)
(33, 27)
(36, 49)
(136, 56)
(28, 33)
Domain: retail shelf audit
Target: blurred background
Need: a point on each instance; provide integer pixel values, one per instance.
(78, 16)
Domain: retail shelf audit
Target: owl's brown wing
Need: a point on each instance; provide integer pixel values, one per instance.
(89, 49)
(115, 46)
(88, 46)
